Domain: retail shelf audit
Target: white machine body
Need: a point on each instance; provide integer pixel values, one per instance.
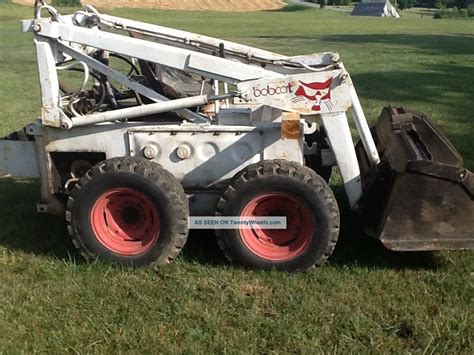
(276, 100)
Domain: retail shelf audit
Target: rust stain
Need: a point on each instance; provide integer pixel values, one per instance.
(291, 126)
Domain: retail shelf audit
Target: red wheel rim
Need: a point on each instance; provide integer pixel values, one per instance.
(278, 244)
(125, 221)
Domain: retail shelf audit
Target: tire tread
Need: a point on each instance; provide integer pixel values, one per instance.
(292, 170)
(162, 178)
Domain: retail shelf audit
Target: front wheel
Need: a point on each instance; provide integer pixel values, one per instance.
(280, 188)
(128, 211)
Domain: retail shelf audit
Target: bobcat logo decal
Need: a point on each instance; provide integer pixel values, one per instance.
(318, 93)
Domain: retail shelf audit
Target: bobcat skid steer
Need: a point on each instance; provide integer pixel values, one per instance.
(164, 125)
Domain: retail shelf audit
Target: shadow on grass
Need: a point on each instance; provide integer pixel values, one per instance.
(25, 230)
(436, 44)
(22, 228)
(442, 87)
(355, 248)
(295, 8)
(433, 44)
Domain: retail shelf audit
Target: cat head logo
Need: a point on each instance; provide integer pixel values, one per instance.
(317, 93)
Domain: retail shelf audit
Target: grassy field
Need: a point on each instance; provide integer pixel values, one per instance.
(365, 299)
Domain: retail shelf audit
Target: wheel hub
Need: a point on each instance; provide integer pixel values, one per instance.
(125, 221)
(278, 244)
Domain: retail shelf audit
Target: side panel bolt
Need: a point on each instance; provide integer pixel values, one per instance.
(151, 151)
(184, 151)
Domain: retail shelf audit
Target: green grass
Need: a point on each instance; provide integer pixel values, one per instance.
(366, 299)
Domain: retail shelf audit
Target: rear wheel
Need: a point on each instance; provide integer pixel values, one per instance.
(280, 188)
(129, 211)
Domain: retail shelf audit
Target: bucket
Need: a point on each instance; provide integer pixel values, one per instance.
(420, 197)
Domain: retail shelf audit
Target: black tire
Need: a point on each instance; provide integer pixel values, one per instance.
(311, 194)
(151, 204)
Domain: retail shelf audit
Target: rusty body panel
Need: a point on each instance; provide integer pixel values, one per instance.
(290, 126)
(420, 197)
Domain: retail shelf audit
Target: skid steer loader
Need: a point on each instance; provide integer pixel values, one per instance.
(200, 126)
